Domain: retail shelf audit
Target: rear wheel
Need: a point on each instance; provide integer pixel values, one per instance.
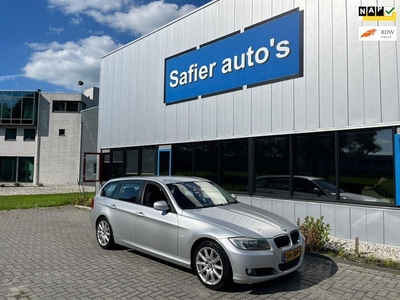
(211, 265)
(104, 234)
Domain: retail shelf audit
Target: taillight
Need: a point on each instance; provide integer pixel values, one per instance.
(92, 204)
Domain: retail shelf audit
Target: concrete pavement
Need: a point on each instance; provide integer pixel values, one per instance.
(52, 253)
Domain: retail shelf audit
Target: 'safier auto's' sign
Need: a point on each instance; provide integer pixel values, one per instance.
(266, 52)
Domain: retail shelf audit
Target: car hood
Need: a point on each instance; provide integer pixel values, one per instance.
(358, 197)
(244, 219)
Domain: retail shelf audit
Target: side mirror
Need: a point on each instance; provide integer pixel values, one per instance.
(317, 191)
(161, 205)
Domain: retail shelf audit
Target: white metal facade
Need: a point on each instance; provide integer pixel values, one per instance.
(346, 84)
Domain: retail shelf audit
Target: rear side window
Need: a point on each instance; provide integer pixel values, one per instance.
(109, 189)
(129, 191)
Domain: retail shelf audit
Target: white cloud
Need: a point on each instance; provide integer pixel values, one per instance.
(55, 30)
(125, 15)
(142, 19)
(79, 6)
(66, 64)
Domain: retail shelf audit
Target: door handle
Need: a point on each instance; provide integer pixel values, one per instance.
(113, 206)
(140, 214)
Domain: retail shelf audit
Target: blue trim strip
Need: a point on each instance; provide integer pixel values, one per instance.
(397, 168)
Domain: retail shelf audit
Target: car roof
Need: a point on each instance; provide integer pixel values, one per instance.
(160, 179)
(286, 176)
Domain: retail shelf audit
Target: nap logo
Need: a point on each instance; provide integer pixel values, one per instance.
(377, 13)
(376, 33)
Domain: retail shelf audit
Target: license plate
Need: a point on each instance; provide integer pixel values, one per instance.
(288, 256)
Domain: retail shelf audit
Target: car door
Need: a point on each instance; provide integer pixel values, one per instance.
(123, 212)
(156, 231)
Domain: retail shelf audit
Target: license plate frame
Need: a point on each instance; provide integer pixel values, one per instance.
(291, 255)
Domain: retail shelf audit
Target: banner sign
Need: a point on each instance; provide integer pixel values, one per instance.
(265, 52)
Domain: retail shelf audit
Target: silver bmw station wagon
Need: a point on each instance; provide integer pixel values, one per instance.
(194, 223)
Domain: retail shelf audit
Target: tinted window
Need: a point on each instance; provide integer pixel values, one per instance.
(129, 191)
(109, 189)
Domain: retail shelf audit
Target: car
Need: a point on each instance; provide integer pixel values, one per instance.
(310, 187)
(194, 223)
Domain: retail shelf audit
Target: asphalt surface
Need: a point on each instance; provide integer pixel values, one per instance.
(52, 253)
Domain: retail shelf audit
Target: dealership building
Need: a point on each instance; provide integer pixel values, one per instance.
(279, 102)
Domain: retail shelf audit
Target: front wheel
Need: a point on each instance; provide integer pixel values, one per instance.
(211, 265)
(104, 234)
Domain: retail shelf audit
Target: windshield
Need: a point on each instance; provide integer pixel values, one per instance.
(327, 186)
(199, 194)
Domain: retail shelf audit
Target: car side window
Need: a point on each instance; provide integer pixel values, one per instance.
(303, 185)
(152, 194)
(129, 191)
(109, 189)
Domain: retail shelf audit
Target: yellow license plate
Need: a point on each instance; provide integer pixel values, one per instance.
(288, 256)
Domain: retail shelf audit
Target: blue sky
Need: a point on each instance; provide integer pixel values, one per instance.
(53, 44)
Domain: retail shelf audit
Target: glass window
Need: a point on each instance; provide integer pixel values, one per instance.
(8, 169)
(148, 161)
(61, 132)
(234, 175)
(117, 163)
(17, 109)
(129, 191)
(6, 108)
(272, 159)
(11, 134)
(132, 162)
(72, 106)
(109, 189)
(58, 106)
(182, 158)
(29, 134)
(68, 106)
(206, 160)
(27, 109)
(314, 159)
(25, 169)
(366, 165)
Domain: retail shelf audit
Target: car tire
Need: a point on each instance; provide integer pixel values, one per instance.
(212, 266)
(104, 234)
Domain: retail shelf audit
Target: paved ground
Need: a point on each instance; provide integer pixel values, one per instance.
(52, 254)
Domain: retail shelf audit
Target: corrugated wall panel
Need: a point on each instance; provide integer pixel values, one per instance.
(346, 82)
(325, 64)
(339, 65)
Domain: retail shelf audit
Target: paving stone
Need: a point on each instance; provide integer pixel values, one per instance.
(52, 253)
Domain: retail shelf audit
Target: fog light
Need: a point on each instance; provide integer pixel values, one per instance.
(250, 272)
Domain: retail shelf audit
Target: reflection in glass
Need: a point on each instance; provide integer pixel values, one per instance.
(8, 169)
(234, 165)
(117, 163)
(25, 169)
(366, 165)
(148, 161)
(27, 108)
(314, 155)
(182, 158)
(206, 160)
(132, 162)
(271, 159)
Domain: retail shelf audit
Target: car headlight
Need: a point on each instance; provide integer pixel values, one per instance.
(246, 243)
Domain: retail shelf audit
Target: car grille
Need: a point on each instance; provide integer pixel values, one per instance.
(284, 240)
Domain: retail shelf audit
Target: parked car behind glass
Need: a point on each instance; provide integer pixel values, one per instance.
(307, 187)
(194, 223)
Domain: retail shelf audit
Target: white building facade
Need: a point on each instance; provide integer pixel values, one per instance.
(40, 136)
(280, 102)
